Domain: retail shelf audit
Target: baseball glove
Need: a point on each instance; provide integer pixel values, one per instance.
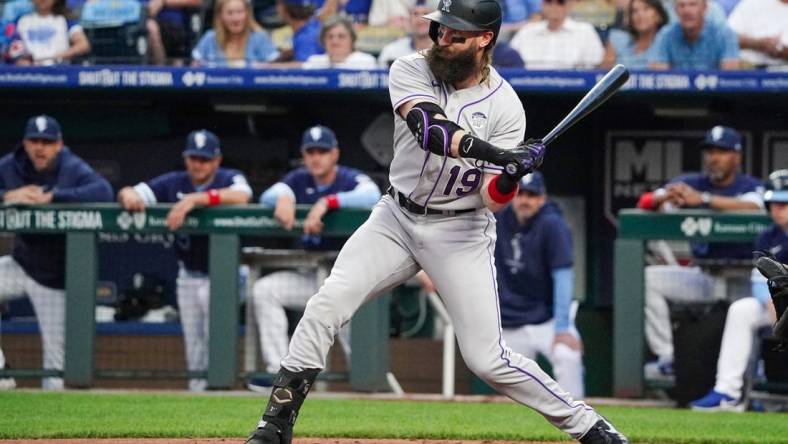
(776, 274)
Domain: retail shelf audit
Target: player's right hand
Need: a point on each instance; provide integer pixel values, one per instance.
(524, 158)
(284, 213)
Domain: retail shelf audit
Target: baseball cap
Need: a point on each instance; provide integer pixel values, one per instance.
(777, 187)
(202, 143)
(319, 136)
(722, 137)
(533, 182)
(43, 127)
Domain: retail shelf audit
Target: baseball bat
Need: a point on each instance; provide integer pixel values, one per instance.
(597, 95)
(603, 90)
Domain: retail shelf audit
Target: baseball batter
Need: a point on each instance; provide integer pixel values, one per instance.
(203, 184)
(457, 123)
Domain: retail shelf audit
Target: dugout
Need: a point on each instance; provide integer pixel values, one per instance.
(130, 122)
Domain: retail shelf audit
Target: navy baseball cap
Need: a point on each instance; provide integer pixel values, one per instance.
(722, 137)
(43, 127)
(319, 136)
(533, 182)
(202, 143)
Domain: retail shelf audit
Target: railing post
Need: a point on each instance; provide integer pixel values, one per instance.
(80, 328)
(369, 342)
(223, 323)
(628, 306)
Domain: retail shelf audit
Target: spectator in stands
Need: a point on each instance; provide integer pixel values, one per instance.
(721, 187)
(168, 24)
(48, 37)
(203, 184)
(558, 42)
(326, 186)
(762, 28)
(632, 47)
(417, 40)
(395, 13)
(533, 257)
(236, 40)
(714, 11)
(516, 13)
(43, 170)
(695, 43)
(339, 39)
(357, 11)
(747, 315)
(300, 16)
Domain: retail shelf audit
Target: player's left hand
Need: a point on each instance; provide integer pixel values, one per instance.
(313, 224)
(177, 214)
(569, 340)
(525, 158)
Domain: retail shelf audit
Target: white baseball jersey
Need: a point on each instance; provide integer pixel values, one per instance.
(491, 111)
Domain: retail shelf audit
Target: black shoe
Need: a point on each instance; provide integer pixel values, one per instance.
(270, 433)
(603, 432)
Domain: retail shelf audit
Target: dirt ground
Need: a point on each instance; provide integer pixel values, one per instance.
(234, 440)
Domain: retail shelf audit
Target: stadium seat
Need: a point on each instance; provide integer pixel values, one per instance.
(116, 30)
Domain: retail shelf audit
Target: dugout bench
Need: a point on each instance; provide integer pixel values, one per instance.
(224, 227)
(635, 228)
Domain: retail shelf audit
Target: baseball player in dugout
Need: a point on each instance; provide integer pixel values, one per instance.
(720, 187)
(326, 186)
(43, 170)
(747, 315)
(204, 183)
(533, 255)
(459, 154)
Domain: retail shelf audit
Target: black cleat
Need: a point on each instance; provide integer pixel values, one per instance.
(271, 434)
(603, 432)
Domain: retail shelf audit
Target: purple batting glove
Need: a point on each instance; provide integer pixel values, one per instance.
(526, 157)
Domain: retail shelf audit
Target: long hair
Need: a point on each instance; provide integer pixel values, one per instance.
(487, 61)
(333, 22)
(221, 32)
(657, 5)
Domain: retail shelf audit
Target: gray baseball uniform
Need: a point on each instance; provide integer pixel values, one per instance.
(455, 248)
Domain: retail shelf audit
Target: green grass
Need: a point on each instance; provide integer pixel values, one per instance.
(84, 415)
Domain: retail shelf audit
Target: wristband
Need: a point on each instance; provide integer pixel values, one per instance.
(646, 201)
(496, 195)
(333, 201)
(213, 198)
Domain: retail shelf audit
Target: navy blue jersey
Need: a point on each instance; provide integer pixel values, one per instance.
(171, 187)
(42, 256)
(525, 256)
(307, 192)
(775, 241)
(742, 186)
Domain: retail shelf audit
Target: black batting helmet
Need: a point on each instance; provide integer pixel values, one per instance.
(777, 187)
(466, 15)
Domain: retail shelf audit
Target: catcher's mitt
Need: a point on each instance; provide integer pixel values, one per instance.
(776, 274)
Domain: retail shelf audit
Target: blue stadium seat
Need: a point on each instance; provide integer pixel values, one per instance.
(116, 30)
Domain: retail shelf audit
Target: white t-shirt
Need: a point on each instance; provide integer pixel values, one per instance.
(356, 60)
(45, 36)
(758, 19)
(574, 45)
(394, 50)
(490, 110)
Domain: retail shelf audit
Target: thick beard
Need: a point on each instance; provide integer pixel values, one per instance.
(452, 69)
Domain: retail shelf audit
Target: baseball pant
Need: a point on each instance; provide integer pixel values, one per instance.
(193, 293)
(50, 307)
(671, 283)
(457, 252)
(528, 340)
(274, 293)
(745, 317)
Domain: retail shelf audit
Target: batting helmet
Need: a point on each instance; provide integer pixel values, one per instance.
(777, 187)
(466, 15)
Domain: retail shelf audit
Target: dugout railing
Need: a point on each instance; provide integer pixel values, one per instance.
(224, 226)
(635, 229)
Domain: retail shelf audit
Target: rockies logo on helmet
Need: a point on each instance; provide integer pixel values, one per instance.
(466, 15)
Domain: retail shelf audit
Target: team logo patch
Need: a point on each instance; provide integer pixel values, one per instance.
(446, 6)
(315, 133)
(478, 120)
(200, 139)
(41, 123)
